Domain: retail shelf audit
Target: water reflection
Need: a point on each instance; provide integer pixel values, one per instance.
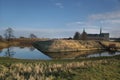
(23, 53)
(0, 51)
(112, 52)
(31, 48)
(21, 47)
(9, 52)
(32, 53)
(82, 54)
(105, 53)
(72, 55)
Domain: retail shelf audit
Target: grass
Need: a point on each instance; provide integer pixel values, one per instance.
(16, 42)
(3, 45)
(66, 45)
(104, 68)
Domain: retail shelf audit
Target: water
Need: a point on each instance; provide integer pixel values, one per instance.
(23, 53)
(105, 53)
(32, 53)
(85, 54)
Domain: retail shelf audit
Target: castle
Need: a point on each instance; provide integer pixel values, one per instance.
(100, 36)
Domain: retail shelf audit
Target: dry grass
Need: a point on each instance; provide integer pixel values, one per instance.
(66, 45)
(106, 43)
(3, 45)
(102, 69)
(16, 42)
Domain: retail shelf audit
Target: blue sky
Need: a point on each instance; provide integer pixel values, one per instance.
(59, 18)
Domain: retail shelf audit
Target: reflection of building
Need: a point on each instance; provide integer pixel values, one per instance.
(101, 36)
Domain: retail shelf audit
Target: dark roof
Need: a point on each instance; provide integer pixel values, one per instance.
(95, 35)
(92, 35)
(101, 35)
(104, 33)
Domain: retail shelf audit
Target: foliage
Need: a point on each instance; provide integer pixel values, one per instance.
(76, 36)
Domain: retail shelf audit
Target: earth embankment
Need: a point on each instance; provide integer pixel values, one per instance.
(67, 45)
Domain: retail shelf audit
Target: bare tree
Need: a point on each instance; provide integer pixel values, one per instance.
(76, 36)
(9, 34)
(33, 36)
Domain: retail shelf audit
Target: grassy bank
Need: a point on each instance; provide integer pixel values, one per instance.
(17, 42)
(104, 68)
(3, 45)
(67, 45)
(74, 45)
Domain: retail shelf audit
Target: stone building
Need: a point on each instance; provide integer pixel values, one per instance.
(100, 36)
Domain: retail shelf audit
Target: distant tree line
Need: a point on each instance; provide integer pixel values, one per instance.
(9, 35)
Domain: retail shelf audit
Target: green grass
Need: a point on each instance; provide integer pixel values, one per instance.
(100, 71)
(104, 68)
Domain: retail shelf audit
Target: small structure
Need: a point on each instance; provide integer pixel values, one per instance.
(112, 47)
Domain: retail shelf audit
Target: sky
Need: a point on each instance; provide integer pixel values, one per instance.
(59, 18)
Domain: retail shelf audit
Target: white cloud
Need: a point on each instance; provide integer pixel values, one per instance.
(60, 5)
(110, 21)
(104, 16)
(77, 23)
(116, 21)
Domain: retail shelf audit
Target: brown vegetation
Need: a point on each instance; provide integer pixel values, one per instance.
(107, 43)
(88, 69)
(18, 42)
(111, 44)
(67, 45)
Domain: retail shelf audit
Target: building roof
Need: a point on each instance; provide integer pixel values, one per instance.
(95, 35)
(92, 35)
(104, 33)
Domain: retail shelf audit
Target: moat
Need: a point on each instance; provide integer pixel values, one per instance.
(32, 53)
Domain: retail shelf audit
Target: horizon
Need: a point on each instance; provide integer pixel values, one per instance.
(59, 18)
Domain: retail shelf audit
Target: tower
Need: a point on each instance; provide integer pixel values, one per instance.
(100, 30)
(84, 35)
(83, 29)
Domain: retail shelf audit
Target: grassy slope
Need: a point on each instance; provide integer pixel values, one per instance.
(66, 45)
(17, 42)
(105, 68)
(106, 43)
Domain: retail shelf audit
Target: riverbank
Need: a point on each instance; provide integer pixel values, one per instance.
(104, 68)
(5, 44)
(19, 42)
(71, 45)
